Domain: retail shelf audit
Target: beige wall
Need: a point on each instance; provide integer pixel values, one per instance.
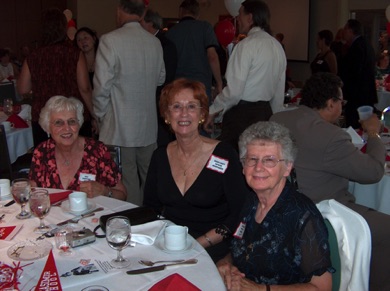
(325, 14)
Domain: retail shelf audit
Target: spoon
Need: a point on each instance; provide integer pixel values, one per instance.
(150, 263)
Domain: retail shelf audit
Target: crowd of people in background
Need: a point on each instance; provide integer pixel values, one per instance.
(150, 93)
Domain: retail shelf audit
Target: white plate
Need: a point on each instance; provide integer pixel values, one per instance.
(160, 244)
(29, 250)
(91, 204)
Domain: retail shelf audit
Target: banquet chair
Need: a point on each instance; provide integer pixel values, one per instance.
(386, 117)
(7, 90)
(352, 242)
(5, 162)
(115, 152)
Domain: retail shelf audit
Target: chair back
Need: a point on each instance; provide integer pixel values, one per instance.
(353, 242)
(115, 152)
(386, 117)
(5, 162)
(7, 90)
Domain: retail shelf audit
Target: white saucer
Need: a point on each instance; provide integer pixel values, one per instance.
(91, 204)
(29, 250)
(160, 244)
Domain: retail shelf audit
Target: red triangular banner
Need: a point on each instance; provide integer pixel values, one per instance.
(49, 279)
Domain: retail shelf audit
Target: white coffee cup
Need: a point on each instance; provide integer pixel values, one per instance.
(175, 237)
(5, 187)
(7, 125)
(78, 201)
(365, 112)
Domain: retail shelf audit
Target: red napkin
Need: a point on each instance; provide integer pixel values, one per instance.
(55, 197)
(174, 282)
(17, 121)
(49, 279)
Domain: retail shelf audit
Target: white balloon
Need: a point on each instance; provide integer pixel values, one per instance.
(233, 6)
(387, 13)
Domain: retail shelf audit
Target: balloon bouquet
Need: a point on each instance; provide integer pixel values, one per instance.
(225, 30)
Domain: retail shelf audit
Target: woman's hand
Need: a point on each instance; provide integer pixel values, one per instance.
(240, 283)
(92, 188)
(228, 272)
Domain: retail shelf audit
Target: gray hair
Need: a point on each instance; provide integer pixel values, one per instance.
(154, 18)
(272, 132)
(57, 104)
(136, 7)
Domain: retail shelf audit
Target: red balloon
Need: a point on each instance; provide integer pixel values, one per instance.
(225, 32)
(388, 27)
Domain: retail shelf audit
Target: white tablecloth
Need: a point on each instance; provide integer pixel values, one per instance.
(19, 141)
(376, 196)
(383, 100)
(204, 274)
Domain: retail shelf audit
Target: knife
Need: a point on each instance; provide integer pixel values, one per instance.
(159, 268)
(77, 218)
(9, 203)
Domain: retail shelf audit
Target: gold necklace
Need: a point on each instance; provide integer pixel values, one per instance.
(185, 169)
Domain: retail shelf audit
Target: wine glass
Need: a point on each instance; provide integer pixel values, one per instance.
(118, 237)
(40, 206)
(21, 192)
(8, 106)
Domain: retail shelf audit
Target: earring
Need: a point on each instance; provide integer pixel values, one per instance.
(167, 122)
(201, 121)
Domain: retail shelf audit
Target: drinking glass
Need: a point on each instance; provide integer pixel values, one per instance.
(40, 206)
(21, 192)
(62, 239)
(8, 106)
(118, 237)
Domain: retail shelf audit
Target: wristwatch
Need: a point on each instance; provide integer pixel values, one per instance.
(109, 194)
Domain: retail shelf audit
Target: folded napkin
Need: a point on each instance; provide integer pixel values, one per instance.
(147, 233)
(8, 232)
(25, 112)
(174, 282)
(55, 197)
(355, 137)
(17, 121)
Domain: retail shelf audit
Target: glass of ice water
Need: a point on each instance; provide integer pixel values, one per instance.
(118, 234)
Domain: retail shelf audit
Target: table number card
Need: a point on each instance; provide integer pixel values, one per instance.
(49, 279)
(8, 232)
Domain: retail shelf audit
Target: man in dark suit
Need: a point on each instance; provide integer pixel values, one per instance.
(357, 70)
(152, 22)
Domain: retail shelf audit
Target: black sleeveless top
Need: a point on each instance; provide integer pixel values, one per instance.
(319, 64)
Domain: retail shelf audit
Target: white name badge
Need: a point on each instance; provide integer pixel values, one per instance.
(240, 230)
(87, 177)
(217, 164)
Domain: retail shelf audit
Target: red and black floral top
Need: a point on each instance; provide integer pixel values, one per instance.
(96, 160)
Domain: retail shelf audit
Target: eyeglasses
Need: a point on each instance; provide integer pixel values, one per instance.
(191, 107)
(61, 123)
(343, 102)
(267, 161)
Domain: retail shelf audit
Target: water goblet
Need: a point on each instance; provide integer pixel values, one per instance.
(118, 237)
(8, 106)
(21, 193)
(40, 206)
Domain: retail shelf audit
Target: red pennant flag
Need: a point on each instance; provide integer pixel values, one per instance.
(49, 279)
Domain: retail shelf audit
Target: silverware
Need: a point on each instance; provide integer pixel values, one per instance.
(2, 216)
(77, 218)
(150, 263)
(160, 268)
(9, 203)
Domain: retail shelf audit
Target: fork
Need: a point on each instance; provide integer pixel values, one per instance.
(150, 263)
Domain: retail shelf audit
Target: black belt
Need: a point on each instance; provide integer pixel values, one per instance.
(243, 102)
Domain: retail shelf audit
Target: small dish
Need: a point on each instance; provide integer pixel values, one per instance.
(29, 250)
(160, 244)
(91, 204)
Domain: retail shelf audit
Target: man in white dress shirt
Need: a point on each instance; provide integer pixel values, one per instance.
(255, 75)
(129, 67)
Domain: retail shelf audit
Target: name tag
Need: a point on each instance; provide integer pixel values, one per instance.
(87, 177)
(217, 164)
(240, 230)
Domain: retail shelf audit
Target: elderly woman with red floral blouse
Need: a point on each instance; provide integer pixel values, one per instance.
(70, 161)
